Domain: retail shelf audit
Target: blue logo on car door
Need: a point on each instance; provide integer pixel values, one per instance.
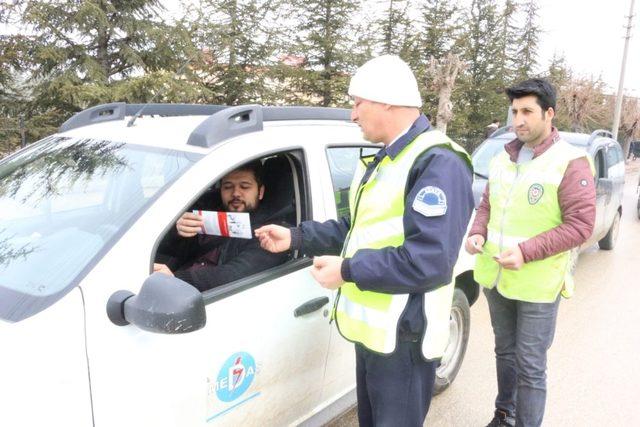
(235, 376)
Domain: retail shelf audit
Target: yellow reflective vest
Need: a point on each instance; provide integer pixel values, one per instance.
(524, 202)
(371, 318)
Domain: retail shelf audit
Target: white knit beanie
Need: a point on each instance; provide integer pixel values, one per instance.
(386, 79)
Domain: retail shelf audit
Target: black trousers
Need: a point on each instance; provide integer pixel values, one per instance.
(394, 390)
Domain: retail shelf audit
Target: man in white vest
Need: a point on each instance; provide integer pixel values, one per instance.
(538, 205)
(392, 259)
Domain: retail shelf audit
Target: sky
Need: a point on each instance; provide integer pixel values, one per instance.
(590, 34)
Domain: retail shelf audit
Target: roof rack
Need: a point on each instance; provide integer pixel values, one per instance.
(224, 122)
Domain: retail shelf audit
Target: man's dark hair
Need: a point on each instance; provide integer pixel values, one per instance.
(255, 167)
(544, 92)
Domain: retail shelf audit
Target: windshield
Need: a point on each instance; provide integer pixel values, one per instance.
(63, 203)
(484, 153)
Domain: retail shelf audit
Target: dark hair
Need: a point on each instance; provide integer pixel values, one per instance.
(495, 121)
(544, 92)
(255, 167)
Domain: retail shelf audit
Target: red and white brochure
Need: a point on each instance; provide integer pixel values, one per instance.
(228, 224)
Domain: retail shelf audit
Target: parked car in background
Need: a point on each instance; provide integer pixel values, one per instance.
(608, 160)
(90, 338)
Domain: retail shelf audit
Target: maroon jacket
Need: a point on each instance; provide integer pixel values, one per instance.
(577, 203)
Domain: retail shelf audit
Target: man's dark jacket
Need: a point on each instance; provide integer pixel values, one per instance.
(209, 261)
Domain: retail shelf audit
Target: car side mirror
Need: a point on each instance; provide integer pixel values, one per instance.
(164, 305)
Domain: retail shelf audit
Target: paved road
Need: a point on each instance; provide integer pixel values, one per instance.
(594, 363)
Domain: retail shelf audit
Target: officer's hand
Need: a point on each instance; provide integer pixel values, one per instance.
(326, 271)
(274, 238)
(189, 224)
(162, 268)
(511, 258)
(474, 244)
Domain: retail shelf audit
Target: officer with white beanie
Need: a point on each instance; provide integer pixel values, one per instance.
(392, 260)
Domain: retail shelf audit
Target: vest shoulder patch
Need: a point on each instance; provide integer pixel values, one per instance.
(430, 201)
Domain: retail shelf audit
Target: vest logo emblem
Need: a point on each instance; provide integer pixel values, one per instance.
(430, 201)
(535, 193)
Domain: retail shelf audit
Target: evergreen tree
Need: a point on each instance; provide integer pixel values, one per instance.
(75, 54)
(506, 60)
(528, 39)
(324, 41)
(237, 41)
(438, 34)
(482, 87)
(559, 75)
(395, 28)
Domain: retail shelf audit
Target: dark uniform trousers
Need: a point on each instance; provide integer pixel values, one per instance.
(394, 390)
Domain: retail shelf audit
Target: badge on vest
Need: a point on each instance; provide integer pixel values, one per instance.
(430, 201)
(535, 193)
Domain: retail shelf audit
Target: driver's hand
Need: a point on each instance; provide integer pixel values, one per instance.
(162, 268)
(274, 238)
(189, 224)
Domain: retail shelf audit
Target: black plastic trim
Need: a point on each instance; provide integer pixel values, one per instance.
(224, 122)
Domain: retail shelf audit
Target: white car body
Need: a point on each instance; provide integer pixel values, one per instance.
(253, 363)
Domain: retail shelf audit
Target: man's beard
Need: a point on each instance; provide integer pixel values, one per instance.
(243, 207)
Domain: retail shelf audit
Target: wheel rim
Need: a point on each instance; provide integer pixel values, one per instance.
(452, 352)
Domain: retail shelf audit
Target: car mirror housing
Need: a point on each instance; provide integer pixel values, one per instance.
(164, 305)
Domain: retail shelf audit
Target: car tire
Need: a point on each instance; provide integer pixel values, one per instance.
(459, 324)
(609, 241)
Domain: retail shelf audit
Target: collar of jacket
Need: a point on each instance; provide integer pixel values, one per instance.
(513, 147)
(419, 126)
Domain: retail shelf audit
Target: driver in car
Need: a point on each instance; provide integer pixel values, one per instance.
(206, 261)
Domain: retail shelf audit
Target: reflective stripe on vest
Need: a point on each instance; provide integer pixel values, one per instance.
(377, 211)
(524, 203)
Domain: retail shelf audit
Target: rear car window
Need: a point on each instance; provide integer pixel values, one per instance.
(63, 203)
(342, 164)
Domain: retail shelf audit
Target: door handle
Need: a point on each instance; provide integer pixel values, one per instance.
(311, 306)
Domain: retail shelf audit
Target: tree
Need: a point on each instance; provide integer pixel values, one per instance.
(559, 75)
(394, 27)
(438, 33)
(630, 123)
(558, 72)
(481, 87)
(237, 42)
(324, 41)
(78, 53)
(528, 40)
(442, 75)
(506, 61)
(581, 103)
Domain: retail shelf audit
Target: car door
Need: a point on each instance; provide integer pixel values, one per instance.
(255, 362)
(602, 186)
(615, 172)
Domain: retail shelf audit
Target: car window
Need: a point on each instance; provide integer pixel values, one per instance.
(612, 157)
(342, 165)
(63, 202)
(485, 152)
(216, 259)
